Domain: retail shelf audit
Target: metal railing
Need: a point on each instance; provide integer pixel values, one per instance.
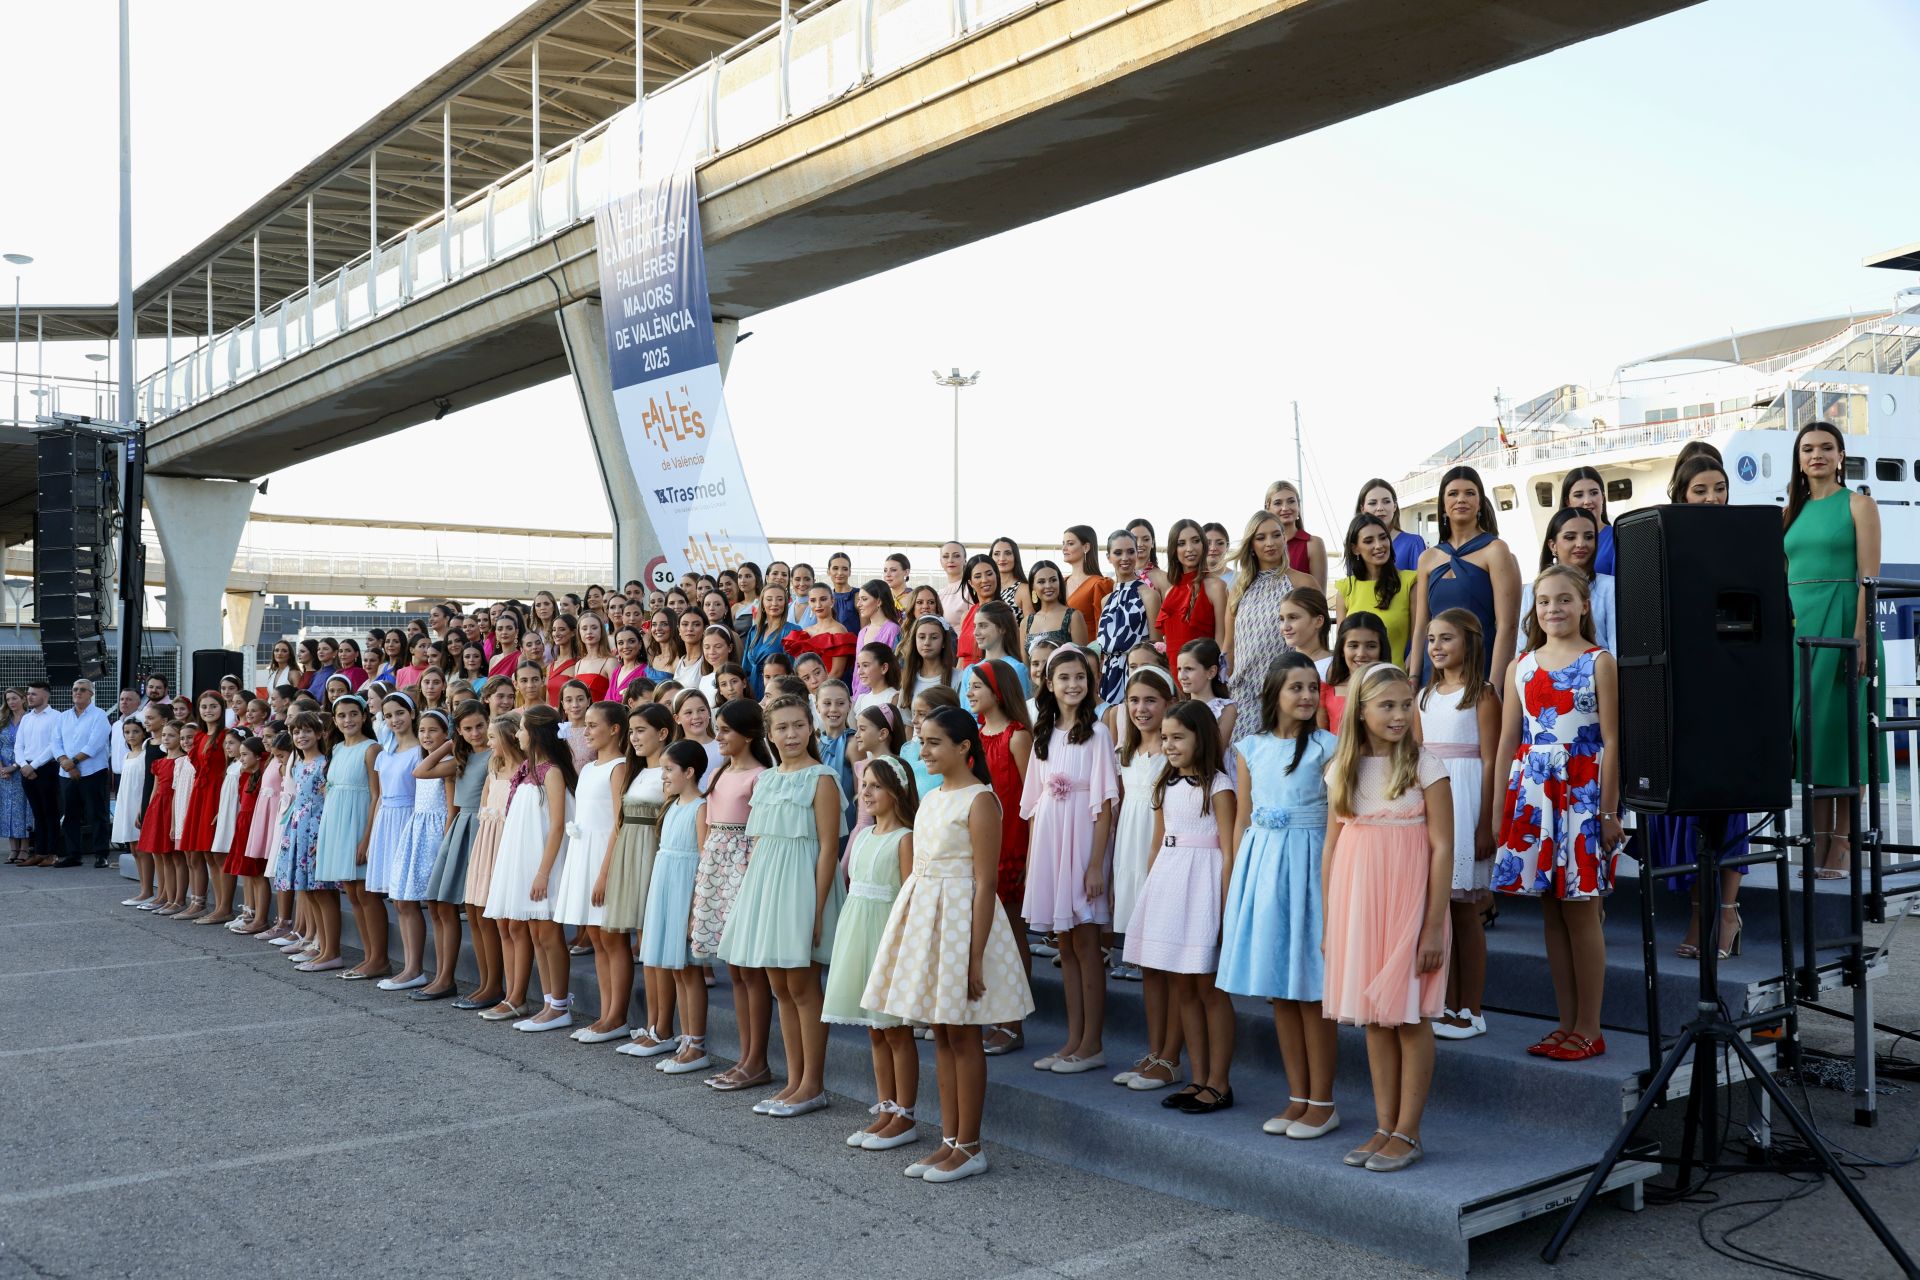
(817, 54)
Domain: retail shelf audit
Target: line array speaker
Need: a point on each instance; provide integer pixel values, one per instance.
(73, 535)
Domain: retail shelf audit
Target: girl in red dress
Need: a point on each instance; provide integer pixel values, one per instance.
(564, 639)
(1305, 552)
(203, 805)
(156, 828)
(251, 872)
(997, 701)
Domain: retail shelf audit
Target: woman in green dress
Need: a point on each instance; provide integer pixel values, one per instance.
(1832, 541)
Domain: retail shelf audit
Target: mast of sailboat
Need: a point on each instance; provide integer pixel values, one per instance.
(1299, 467)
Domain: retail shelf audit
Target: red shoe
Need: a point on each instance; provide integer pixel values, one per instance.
(1578, 1049)
(1545, 1046)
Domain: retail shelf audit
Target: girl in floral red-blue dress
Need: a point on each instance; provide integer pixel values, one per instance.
(1560, 831)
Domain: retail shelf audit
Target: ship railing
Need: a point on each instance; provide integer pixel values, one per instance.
(1577, 444)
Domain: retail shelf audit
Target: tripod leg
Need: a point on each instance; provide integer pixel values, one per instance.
(1817, 1145)
(1697, 1088)
(1648, 1100)
(1865, 1086)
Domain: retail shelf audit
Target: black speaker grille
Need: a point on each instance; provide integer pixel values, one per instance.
(1641, 586)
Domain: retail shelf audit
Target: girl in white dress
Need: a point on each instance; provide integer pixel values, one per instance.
(531, 847)
(948, 909)
(1460, 723)
(581, 898)
(1148, 696)
(130, 802)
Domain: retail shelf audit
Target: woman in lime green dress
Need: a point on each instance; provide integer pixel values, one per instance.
(1832, 541)
(1375, 584)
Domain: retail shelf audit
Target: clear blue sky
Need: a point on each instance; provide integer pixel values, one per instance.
(1724, 167)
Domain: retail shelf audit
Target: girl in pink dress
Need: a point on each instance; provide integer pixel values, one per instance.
(1386, 877)
(1068, 799)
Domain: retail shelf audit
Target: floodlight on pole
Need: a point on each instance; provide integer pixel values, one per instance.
(956, 380)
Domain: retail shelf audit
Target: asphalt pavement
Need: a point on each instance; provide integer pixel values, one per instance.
(179, 1102)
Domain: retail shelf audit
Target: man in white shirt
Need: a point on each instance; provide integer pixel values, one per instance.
(953, 598)
(156, 691)
(82, 738)
(34, 749)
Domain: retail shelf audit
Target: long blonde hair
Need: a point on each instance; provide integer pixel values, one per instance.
(1402, 761)
(1246, 565)
(1536, 634)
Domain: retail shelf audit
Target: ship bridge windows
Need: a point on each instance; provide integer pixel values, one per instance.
(1889, 468)
(1856, 467)
(1505, 497)
(1619, 490)
(1543, 493)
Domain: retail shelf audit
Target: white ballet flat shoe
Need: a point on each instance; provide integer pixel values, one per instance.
(393, 984)
(1301, 1129)
(587, 1035)
(675, 1067)
(874, 1142)
(881, 1107)
(918, 1169)
(563, 1007)
(787, 1110)
(1279, 1125)
(976, 1163)
(1476, 1026)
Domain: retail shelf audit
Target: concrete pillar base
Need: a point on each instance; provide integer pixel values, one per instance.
(199, 523)
(583, 331)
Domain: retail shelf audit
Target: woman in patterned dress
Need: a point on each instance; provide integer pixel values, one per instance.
(1127, 616)
(1262, 581)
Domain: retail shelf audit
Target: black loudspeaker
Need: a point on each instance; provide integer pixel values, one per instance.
(210, 665)
(1706, 660)
(78, 493)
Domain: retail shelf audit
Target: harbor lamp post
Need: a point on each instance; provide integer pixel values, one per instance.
(956, 380)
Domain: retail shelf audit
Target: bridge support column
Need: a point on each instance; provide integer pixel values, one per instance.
(199, 523)
(245, 612)
(583, 332)
(726, 332)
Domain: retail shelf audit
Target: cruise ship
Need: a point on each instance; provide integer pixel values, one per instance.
(1747, 394)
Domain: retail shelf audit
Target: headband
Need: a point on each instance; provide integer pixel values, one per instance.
(439, 715)
(993, 681)
(330, 679)
(887, 711)
(404, 698)
(894, 766)
(354, 698)
(1160, 676)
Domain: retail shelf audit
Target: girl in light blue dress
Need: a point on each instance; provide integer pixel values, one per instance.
(346, 821)
(1271, 920)
(418, 849)
(784, 913)
(664, 940)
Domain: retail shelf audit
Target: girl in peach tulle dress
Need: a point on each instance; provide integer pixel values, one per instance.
(1386, 877)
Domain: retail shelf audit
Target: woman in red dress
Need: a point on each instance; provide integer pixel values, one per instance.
(1196, 604)
(997, 701)
(563, 638)
(597, 661)
(203, 802)
(506, 644)
(979, 584)
(826, 637)
(1305, 552)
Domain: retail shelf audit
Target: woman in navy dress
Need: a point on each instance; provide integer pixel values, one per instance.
(1470, 569)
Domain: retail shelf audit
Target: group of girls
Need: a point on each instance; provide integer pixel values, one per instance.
(1196, 776)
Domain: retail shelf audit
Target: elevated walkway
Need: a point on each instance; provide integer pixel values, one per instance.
(866, 135)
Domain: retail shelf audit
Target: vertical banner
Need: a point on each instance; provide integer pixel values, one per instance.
(666, 377)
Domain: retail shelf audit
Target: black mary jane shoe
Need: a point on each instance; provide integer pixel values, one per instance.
(1178, 1101)
(424, 994)
(466, 1004)
(1207, 1100)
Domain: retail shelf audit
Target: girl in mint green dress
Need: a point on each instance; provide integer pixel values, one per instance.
(784, 914)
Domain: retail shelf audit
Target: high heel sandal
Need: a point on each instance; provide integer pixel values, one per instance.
(1739, 927)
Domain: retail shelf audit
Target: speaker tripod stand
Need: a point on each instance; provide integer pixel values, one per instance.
(1709, 1034)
